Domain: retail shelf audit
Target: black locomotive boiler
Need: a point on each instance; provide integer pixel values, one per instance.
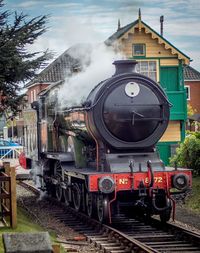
(101, 156)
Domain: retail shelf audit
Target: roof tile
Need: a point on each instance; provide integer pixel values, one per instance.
(191, 74)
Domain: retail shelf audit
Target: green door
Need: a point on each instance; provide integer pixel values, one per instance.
(164, 151)
(169, 78)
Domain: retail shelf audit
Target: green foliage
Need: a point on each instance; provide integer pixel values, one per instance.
(190, 110)
(188, 154)
(17, 64)
(193, 201)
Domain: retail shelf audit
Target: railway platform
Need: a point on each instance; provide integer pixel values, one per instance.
(21, 173)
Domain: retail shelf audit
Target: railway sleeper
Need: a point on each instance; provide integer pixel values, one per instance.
(84, 230)
(80, 226)
(98, 242)
(109, 248)
(191, 251)
(177, 246)
(120, 251)
(94, 238)
(181, 249)
(166, 243)
(146, 232)
(109, 244)
(70, 223)
(153, 237)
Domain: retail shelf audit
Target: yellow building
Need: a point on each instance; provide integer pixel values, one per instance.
(160, 60)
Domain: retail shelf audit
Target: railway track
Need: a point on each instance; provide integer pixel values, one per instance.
(127, 234)
(29, 187)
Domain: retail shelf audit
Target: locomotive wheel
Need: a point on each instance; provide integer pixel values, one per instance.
(89, 200)
(49, 189)
(102, 208)
(44, 165)
(66, 196)
(59, 192)
(76, 195)
(166, 215)
(58, 175)
(147, 217)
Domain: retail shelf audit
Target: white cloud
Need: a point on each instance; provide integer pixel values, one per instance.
(28, 4)
(63, 5)
(94, 21)
(73, 31)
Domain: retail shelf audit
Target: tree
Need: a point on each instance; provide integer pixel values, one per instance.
(17, 64)
(188, 154)
(190, 110)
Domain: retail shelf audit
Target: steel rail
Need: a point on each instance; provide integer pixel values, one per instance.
(29, 187)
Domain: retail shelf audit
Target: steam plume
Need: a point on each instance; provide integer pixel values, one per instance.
(96, 66)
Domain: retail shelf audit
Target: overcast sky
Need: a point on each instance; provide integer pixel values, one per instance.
(79, 21)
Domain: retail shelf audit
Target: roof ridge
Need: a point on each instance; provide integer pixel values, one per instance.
(165, 40)
(119, 33)
(52, 65)
(193, 69)
(124, 29)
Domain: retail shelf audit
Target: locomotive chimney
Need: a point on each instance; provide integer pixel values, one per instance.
(124, 66)
(161, 25)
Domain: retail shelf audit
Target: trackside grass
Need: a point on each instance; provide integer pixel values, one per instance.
(193, 201)
(25, 224)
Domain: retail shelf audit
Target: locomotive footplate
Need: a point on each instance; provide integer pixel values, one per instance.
(59, 156)
(123, 181)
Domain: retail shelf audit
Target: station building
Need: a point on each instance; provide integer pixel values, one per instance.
(157, 58)
(163, 62)
(192, 85)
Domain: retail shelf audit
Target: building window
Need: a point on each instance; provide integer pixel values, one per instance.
(147, 68)
(138, 49)
(34, 95)
(187, 92)
(31, 96)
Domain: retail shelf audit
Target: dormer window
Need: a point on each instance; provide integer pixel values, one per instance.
(138, 49)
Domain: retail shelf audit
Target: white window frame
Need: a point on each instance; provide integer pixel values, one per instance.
(157, 66)
(31, 96)
(34, 95)
(188, 93)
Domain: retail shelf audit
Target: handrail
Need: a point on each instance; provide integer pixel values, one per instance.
(11, 152)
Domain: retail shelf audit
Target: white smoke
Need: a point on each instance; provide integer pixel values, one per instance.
(35, 171)
(76, 88)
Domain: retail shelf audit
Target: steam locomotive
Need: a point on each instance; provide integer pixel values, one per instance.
(100, 156)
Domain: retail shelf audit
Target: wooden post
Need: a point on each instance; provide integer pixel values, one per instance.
(11, 188)
(13, 198)
(56, 248)
(6, 166)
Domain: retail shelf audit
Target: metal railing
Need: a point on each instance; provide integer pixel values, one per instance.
(11, 152)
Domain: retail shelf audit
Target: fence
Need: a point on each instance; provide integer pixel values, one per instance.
(8, 204)
(12, 152)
